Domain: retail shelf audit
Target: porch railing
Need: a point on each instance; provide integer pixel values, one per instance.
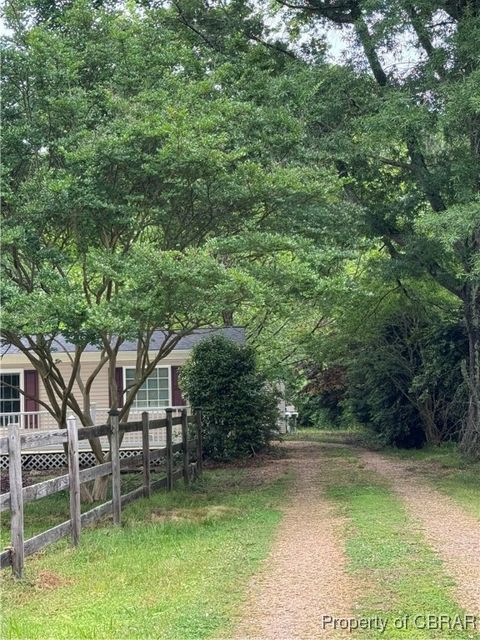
(43, 421)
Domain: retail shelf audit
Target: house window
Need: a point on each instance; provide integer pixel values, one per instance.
(10, 400)
(155, 391)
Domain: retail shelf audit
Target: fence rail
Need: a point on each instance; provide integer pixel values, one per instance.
(18, 495)
(43, 421)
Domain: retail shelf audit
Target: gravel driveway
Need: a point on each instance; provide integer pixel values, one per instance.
(304, 576)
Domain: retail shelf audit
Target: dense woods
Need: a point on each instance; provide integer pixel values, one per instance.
(309, 169)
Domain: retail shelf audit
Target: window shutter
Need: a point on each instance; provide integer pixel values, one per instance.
(177, 399)
(119, 382)
(30, 387)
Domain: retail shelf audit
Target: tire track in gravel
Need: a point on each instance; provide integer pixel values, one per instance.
(305, 576)
(451, 532)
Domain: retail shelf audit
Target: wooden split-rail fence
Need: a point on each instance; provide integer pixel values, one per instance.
(18, 495)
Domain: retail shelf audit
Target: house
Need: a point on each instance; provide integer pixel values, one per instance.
(160, 390)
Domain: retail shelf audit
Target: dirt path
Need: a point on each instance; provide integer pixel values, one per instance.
(304, 576)
(452, 532)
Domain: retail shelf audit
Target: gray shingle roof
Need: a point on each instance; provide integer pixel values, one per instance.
(236, 334)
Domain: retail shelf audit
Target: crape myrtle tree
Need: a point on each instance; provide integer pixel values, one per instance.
(125, 152)
(299, 283)
(107, 186)
(297, 254)
(400, 120)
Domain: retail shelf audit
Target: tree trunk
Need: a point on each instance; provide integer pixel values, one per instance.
(100, 486)
(432, 432)
(85, 493)
(470, 440)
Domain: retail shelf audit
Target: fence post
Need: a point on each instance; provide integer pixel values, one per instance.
(115, 455)
(74, 478)
(186, 457)
(198, 424)
(16, 498)
(169, 450)
(146, 455)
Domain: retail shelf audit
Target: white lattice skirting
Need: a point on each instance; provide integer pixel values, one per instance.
(46, 460)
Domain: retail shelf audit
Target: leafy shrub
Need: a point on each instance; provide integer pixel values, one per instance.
(406, 381)
(378, 402)
(239, 412)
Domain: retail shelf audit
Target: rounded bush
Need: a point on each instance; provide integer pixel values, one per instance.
(239, 411)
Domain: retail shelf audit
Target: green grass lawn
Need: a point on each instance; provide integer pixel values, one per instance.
(398, 573)
(179, 565)
(45, 513)
(330, 436)
(442, 466)
(177, 568)
(447, 471)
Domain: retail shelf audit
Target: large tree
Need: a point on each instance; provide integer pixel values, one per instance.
(126, 153)
(400, 120)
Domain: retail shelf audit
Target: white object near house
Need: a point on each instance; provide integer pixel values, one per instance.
(291, 415)
(287, 414)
